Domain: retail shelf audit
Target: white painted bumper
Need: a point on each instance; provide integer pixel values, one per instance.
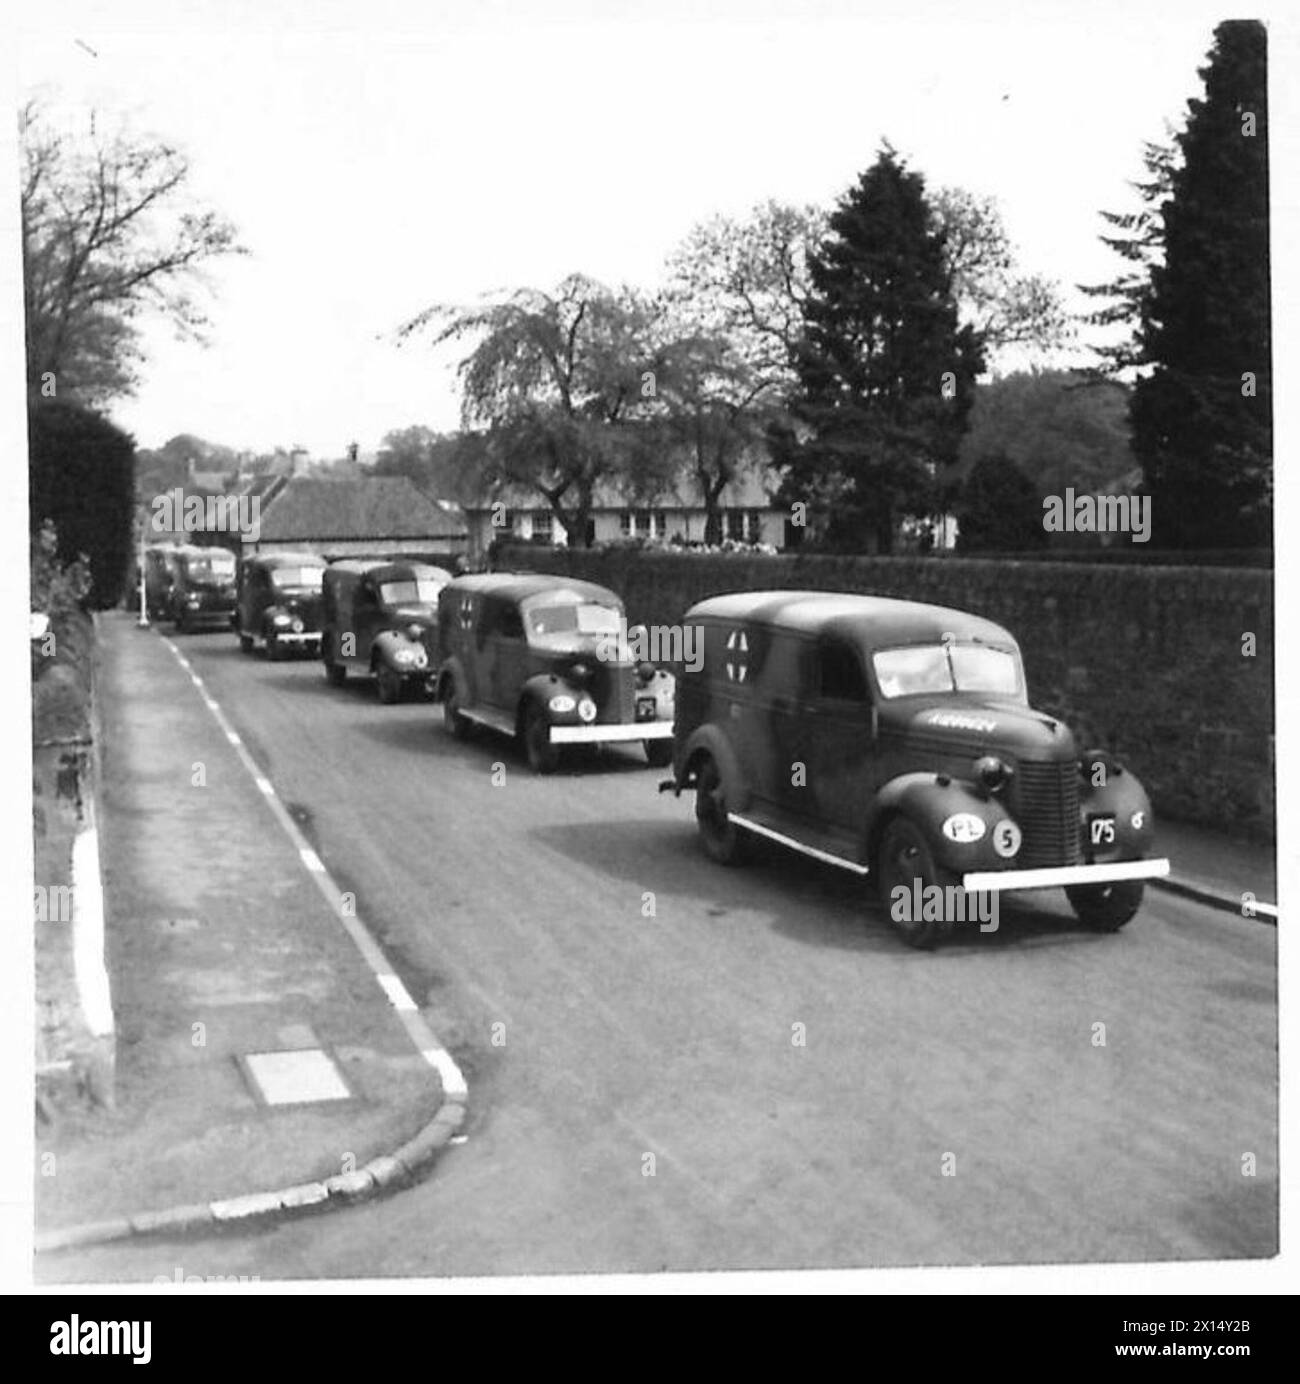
(593, 735)
(1066, 874)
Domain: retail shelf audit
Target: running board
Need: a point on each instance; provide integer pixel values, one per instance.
(493, 720)
(799, 846)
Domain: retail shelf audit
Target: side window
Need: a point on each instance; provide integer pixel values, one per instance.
(838, 673)
(510, 623)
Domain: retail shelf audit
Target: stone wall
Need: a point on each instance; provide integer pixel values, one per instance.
(1145, 661)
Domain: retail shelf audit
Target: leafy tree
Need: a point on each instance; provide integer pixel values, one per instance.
(1060, 427)
(1005, 307)
(563, 383)
(746, 282)
(449, 466)
(81, 478)
(1202, 405)
(885, 373)
(715, 411)
(998, 509)
(1137, 237)
(108, 234)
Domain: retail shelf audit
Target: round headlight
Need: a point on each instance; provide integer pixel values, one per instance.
(297, 626)
(992, 773)
(562, 704)
(413, 632)
(280, 620)
(420, 659)
(645, 671)
(587, 710)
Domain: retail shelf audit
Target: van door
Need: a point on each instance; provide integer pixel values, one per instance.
(504, 655)
(367, 619)
(834, 739)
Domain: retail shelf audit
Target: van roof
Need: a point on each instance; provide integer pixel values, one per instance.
(876, 622)
(520, 586)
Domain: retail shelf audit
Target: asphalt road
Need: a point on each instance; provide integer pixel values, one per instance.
(947, 1107)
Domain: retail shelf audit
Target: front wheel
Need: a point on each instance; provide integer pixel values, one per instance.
(543, 757)
(658, 753)
(335, 673)
(1106, 907)
(245, 643)
(905, 863)
(452, 715)
(274, 649)
(390, 686)
(722, 839)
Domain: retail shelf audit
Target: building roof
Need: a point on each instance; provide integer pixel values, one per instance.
(373, 508)
(873, 622)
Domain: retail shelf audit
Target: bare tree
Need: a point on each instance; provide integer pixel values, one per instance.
(109, 235)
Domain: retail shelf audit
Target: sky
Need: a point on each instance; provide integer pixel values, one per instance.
(377, 158)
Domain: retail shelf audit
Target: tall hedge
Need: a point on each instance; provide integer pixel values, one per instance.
(81, 475)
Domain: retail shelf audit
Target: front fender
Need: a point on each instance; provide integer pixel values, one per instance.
(387, 647)
(452, 670)
(708, 740)
(541, 687)
(929, 800)
(1121, 795)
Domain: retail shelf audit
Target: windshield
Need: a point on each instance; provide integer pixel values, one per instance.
(411, 592)
(211, 567)
(297, 576)
(574, 619)
(947, 668)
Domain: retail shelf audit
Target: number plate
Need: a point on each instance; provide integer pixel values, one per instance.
(645, 709)
(1101, 831)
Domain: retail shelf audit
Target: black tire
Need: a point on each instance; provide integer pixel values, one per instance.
(903, 859)
(245, 643)
(274, 649)
(543, 757)
(722, 839)
(335, 673)
(1106, 907)
(182, 625)
(452, 717)
(390, 685)
(658, 753)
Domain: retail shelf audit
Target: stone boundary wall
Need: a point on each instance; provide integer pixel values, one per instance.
(1145, 661)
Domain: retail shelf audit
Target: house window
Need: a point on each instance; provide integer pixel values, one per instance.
(736, 525)
(625, 523)
(544, 526)
(755, 525)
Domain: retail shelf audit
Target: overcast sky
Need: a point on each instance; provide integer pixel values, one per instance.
(379, 157)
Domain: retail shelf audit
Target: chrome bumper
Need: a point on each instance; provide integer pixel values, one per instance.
(994, 880)
(592, 735)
